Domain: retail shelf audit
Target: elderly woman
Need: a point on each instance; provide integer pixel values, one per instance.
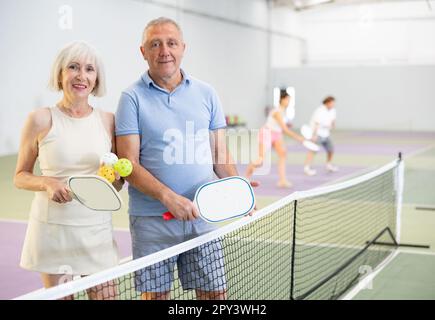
(63, 237)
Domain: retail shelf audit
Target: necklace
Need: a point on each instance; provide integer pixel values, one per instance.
(70, 113)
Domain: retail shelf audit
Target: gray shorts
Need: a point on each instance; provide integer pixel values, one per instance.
(326, 144)
(200, 268)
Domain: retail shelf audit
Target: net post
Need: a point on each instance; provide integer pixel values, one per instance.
(400, 177)
(292, 275)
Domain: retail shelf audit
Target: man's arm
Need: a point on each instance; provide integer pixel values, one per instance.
(128, 146)
(223, 163)
(316, 127)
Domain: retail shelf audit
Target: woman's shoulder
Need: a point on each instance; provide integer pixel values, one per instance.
(275, 112)
(108, 119)
(106, 115)
(40, 118)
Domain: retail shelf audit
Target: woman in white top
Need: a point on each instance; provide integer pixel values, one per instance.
(271, 134)
(64, 238)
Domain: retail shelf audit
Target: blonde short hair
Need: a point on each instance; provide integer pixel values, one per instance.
(70, 52)
(158, 22)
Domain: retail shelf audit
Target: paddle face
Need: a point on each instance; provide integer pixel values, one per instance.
(223, 199)
(306, 132)
(310, 145)
(95, 193)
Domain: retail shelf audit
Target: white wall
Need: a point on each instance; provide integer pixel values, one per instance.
(231, 51)
(383, 33)
(368, 97)
(286, 52)
(31, 37)
(287, 48)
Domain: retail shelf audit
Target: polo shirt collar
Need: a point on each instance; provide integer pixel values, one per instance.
(148, 81)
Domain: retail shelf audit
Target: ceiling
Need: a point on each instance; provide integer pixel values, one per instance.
(300, 5)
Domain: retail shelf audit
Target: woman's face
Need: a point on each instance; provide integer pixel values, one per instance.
(285, 101)
(79, 78)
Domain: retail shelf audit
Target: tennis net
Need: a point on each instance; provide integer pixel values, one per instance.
(315, 244)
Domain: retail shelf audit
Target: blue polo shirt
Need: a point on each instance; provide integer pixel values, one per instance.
(174, 129)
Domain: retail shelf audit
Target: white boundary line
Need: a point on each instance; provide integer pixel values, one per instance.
(5, 220)
(349, 175)
(13, 221)
(411, 251)
(370, 168)
(400, 183)
(399, 202)
(398, 177)
(366, 280)
(418, 151)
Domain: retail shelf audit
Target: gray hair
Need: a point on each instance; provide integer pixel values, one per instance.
(158, 22)
(70, 52)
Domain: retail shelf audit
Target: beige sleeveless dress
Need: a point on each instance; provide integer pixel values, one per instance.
(69, 238)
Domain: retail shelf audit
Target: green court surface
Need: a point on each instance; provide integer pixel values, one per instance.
(410, 275)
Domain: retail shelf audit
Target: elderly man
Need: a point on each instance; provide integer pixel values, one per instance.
(171, 126)
(322, 121)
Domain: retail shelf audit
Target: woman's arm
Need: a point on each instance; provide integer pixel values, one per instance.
(109, 124)
(278, 118)
(37, 125)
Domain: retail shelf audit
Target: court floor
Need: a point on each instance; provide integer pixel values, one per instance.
(408, 276)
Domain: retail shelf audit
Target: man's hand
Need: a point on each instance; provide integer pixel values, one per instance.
(254, 184)
(180, 207)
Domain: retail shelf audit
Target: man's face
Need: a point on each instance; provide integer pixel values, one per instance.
(330, 104)
(163, 50)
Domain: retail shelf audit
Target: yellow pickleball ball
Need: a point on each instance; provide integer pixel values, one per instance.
(123, 167)
(107, 172)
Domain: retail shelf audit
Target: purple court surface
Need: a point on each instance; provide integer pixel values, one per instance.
(15, 281)
(367, 148)
(300, 181)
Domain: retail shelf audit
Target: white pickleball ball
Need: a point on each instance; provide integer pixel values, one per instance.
(109, 159)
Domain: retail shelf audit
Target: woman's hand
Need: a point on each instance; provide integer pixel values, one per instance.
(57, 191)
(119, 182)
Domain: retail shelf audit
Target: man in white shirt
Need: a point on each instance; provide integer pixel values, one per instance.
(322, 121)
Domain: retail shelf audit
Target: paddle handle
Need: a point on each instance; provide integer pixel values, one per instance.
(168, 216)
